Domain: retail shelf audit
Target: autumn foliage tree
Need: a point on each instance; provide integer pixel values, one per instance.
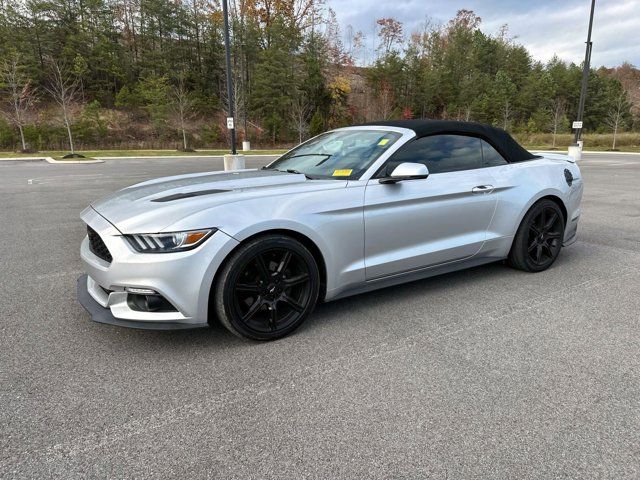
(460, 72)
(295, 68)
(390, 34)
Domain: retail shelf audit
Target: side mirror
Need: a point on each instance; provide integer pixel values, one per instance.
(407, 171)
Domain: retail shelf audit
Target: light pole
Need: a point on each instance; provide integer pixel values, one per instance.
(585, 79)
(227, 48)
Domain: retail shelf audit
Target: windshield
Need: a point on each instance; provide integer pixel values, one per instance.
(341, 155)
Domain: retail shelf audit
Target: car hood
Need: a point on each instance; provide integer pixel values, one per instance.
(153, 206)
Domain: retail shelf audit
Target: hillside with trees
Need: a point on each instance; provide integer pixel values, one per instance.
(77, 74)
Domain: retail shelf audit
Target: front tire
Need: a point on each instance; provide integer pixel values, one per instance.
(267, 288)
(539, 238)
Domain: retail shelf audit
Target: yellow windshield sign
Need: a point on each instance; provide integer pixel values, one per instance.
(383, 142)
(342, 173)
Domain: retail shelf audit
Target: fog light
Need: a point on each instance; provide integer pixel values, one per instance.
(154, 303)
(149, 303)
(140, 291)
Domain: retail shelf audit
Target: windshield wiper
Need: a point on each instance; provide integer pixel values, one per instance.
(291, 170)
(310, 155)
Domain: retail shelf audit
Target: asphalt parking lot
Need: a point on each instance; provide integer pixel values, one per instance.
(489, 372)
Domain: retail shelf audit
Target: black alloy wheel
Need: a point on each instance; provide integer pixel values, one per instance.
(539, 238)
(267, 288)
(544, 236)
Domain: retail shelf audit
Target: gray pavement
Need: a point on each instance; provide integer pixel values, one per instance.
(487, 373)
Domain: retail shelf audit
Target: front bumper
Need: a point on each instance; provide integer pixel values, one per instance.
(571, 230)
(183, 279)
(102, 314)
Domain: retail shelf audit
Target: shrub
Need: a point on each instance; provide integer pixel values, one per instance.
(8, 137)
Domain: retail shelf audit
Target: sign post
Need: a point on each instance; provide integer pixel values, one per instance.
(233, 161)
(585, 78)
(227, 48)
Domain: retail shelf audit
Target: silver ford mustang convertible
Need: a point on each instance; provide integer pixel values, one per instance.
(351, 210)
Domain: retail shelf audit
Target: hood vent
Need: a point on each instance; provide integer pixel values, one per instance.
(180, 196)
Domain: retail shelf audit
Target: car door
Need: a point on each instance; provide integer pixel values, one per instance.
(511, 182)
(415, 224)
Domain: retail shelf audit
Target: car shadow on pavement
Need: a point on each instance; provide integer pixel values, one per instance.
(328, 314)
(364, 311)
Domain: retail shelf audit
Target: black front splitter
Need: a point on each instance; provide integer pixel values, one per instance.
(100, 314)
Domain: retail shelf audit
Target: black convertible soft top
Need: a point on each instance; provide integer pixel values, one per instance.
(504, 143)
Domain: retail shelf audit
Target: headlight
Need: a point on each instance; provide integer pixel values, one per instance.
(168, 242)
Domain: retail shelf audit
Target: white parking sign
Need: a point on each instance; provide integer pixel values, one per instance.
(229, 123)
(577, 125)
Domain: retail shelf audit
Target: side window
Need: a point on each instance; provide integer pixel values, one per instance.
(491, 156)
(440, 153)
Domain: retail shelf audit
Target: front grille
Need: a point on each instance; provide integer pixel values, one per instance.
(97, 246)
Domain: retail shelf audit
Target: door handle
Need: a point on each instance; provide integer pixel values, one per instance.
(482, 189)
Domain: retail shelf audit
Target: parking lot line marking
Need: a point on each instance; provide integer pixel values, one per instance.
(44, 276)
(65, 179)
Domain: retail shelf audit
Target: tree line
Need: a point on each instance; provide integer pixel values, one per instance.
(107, 73)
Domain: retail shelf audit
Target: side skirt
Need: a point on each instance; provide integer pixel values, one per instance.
(415, 275)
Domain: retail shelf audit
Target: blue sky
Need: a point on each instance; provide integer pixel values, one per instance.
(544, 27)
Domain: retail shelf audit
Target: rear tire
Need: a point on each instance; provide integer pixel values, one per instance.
(539, 238)
(267, 288)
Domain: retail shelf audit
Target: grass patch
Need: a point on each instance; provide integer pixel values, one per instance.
(625, 142)
(587, 148)
(599, 142)
(174, 153)
(61, 158)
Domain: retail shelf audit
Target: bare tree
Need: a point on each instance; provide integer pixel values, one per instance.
(240, 105)
(629, 77)
(358, 46)
(349, 37)
(507, 112)
(505, 89)
(467, 113)
(385, 101)
(300, 110)
(559, 107)
(21, 95)
(64, 88)
(239, 108)
(614, 117)
(183, 104)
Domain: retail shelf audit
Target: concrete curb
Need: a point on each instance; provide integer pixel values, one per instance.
(49, 160)
(62, 162)
(142, 157)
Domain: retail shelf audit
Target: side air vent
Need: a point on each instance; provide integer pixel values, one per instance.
(97, 246)
(568, 176)
(180, 196)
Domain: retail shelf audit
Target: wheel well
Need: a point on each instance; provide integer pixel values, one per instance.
(558, 201)
(303, 239)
